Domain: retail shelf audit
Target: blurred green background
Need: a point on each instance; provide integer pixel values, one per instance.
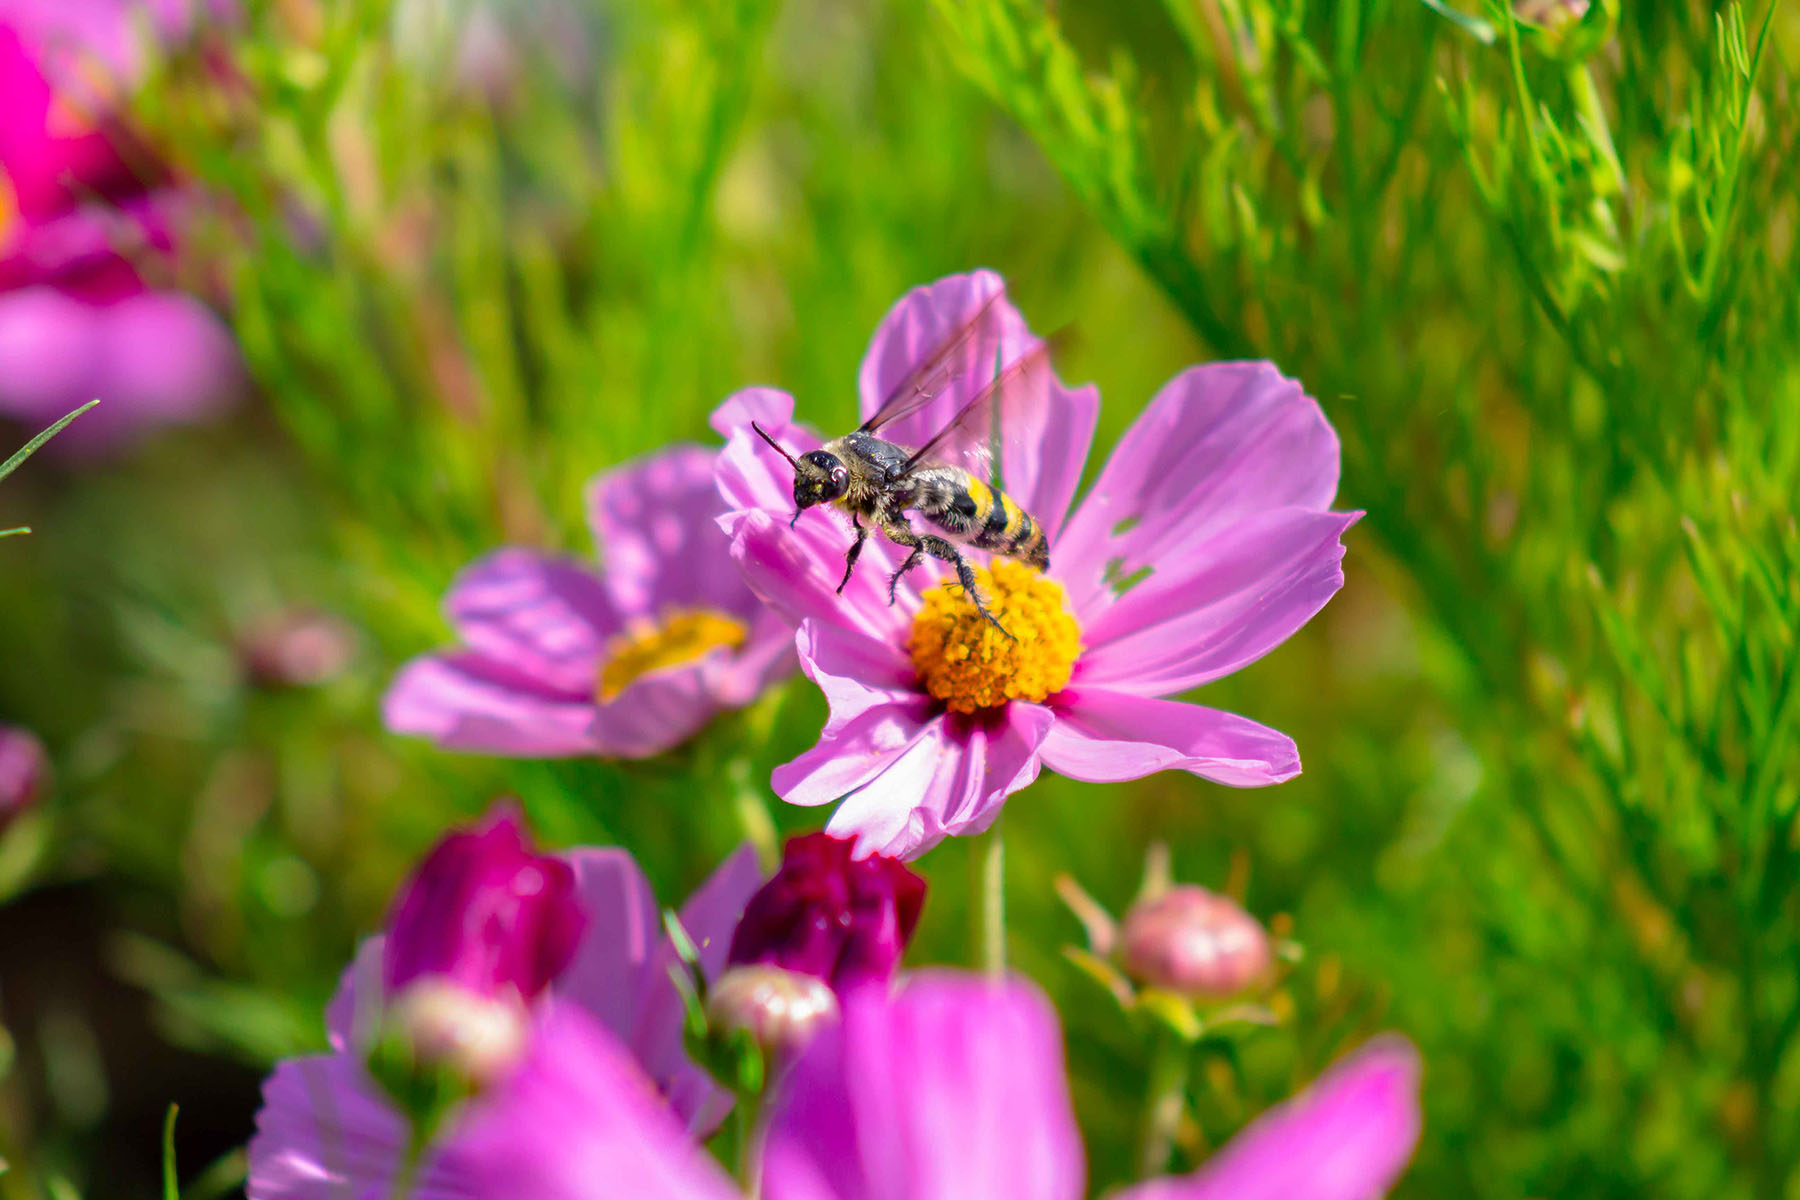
(1541, 274)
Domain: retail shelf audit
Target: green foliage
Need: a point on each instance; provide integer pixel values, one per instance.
(1544, 279)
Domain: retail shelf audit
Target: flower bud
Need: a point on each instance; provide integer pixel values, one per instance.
(1193, 942)
(485, 912)
(445, 1025)
(24, 773)
(299, 648)
(829, 915)
(780, 1009)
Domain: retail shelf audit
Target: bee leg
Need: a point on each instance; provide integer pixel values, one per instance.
(943, 551)
(912, 560)
(862, 535)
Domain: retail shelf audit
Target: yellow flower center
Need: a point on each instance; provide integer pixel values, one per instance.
(683, 635)
(969, 665)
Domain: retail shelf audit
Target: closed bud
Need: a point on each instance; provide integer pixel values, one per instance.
(486, 912)
(830, 915)
(442, 1025)
(24, 773)
(781, 1010)
(300, 648)
(1194, 942)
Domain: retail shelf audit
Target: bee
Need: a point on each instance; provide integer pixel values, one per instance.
(878, 481)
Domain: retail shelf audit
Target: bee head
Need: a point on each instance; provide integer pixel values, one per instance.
(819, 478)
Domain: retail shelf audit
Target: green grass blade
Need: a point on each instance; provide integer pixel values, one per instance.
(12, 464)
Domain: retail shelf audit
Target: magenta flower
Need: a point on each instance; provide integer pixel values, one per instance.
(1206, 541)
(325, 1128)
(841, 919)
(24, 770)
(77, 319)
(485, 912)
(952, 1088)
(560, 659)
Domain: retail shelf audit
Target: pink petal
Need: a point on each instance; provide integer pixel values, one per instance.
(1213, 609)
(855, 752)
(654, 522)
(1043, 455)
(545, 618)
(356, 1005)
(1348, 1137)
(1104, 737)
(1217, 444)
(660, 710)
(952, 780)
(624, 926)
(325, 1133)
(165, 357)
(578, 1121)
(854, 670)
(797, 571)
(954, 1089)
(771, 408)
(468, 702)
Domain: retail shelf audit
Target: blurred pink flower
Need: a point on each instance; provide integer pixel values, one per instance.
(326, 1129)
(953, 1088)
(24, 770)
(560, 658)
(79, 207)
(1204, 543)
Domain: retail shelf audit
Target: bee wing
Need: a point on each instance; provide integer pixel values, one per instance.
(963, 352)
(1006, 410)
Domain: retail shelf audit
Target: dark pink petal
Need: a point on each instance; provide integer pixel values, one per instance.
(545, 618)
(1219, 443)
(1210, 610)
(468, 702)
(1104, 737)
(1041, 462)
(952, 780)
(797, 571)
(1348, 1137)
(577, 1120)
(324, 1132)
(954, 1089)
(654, 522)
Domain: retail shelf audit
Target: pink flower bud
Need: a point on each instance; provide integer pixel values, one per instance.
(486, 912)
(298, 648)
(444, 1024)
(781, 1009)
(1193, 942)
(830, 915)
(24, 772)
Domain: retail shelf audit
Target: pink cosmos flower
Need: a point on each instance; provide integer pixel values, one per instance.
(561, 659)
(1206, 540)
(327, 1130)
(24, 772)
(953, 1089)
(77, 214)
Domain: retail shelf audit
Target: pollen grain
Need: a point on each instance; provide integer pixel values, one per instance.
(680, 636)
(971, 666)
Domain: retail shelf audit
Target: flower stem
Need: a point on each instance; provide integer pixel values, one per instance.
(990, 902)
(1165, 1097)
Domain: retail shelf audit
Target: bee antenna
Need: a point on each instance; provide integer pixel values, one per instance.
(765, 437)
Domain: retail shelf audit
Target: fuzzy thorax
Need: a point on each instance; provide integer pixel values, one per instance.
(969, 665)
(679, 637)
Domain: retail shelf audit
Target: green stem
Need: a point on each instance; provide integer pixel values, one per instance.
(746, 1149)
(1165, 1096)
(990, 902)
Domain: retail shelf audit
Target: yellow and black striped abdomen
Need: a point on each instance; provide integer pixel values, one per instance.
(964, 506)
